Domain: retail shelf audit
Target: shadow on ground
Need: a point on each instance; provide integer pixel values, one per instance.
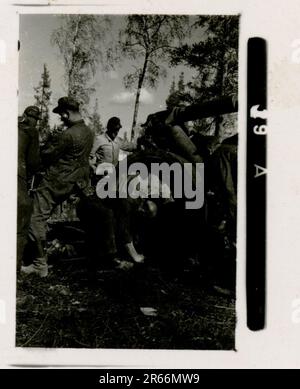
(64, 310)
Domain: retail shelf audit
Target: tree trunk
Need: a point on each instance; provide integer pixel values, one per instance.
(138, 93)
(70, 70)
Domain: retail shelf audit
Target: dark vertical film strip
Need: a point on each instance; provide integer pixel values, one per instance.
(256, 182)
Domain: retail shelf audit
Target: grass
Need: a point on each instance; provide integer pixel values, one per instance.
(65, 311)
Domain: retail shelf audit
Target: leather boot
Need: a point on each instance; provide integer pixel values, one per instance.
(38, 267)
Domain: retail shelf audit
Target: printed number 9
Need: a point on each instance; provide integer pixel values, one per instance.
(260, 130)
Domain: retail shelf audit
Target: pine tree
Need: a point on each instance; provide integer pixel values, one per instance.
(42, 100)
(173, 87)
(181, 85)
(177, 95)
(215, 58)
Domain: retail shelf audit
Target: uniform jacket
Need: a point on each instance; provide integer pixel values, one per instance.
(67, 159)
(28, 151)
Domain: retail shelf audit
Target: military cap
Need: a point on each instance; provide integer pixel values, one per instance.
(65, 103)
(33, 111)
(112, 122)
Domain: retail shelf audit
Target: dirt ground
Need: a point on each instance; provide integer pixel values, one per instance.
(65, 310)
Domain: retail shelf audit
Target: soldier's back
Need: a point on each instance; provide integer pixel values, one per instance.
(82, 141)
(28, 150)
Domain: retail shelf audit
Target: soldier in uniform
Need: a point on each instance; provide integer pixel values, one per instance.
(66, 161)
(28, 164)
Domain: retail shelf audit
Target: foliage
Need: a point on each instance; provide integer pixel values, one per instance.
(81, 42)
(177, 95)
(95, 120)
(181, 85)
(42, 100)
(147, 40)
(215, 58)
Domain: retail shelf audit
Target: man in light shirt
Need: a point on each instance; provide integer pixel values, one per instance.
(107, 146)
(106, 149)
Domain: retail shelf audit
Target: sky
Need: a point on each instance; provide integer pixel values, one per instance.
(113, 98)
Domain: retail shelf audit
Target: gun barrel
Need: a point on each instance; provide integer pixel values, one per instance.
(210, 108)
(184, 144)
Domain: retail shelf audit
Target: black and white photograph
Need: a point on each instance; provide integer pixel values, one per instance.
(149, 188)
(127, 181)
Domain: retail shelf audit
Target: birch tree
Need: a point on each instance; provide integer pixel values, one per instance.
(147, 40)
(82, 46)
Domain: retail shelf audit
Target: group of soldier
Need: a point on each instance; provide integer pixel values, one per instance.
(66, 163)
